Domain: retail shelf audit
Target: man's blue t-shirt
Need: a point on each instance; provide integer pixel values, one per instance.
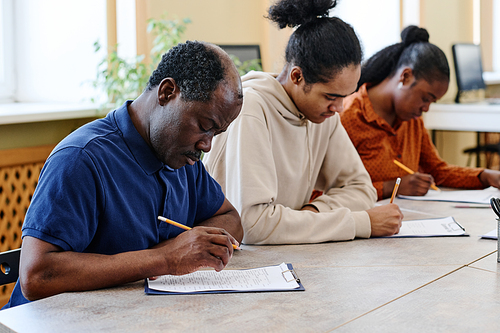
(102, 189)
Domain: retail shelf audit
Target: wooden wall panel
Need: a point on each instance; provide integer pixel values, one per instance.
(19, 172)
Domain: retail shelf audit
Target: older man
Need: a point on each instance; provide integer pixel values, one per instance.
(93, 222)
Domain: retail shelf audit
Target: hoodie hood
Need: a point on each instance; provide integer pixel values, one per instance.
(270, 90)
(266, 85)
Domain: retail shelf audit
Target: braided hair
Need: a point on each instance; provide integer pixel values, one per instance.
(426, 60)
(321, 45)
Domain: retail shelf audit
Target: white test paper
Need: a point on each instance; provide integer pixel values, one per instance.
(469, 196)
(430, 227)
(493, 234)
(256, 279)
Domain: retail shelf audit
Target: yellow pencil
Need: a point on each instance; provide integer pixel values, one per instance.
(411, 172)
(396, 186)
(185, 227)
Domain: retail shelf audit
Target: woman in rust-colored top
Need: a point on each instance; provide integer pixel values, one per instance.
(383, 119)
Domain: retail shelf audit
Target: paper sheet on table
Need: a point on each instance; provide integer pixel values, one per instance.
(469, 196)
(446, 226)
(270, 278)
(493, 234)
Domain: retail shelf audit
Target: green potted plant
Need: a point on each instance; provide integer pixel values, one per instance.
(123, 79)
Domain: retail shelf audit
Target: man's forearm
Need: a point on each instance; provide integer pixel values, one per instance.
(230, 222)
(51, 271)
(227, 218)
(46, 270)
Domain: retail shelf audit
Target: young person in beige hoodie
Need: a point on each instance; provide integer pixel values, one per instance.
(288, 141)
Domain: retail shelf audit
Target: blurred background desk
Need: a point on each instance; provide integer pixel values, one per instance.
(475, 117)
(482, 118)
(376, 285)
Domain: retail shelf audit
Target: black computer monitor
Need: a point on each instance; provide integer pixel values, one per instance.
(468, 67)
(243, 52)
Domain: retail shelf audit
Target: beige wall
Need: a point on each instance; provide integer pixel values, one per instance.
(220, 22)
(243, 22)
(38, 133)
(487, 34)
(449, 22)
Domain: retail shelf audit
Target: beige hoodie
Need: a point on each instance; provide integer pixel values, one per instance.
(271, 158)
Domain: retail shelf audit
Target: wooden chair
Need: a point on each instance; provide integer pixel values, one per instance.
(9, 266)
(488, 145)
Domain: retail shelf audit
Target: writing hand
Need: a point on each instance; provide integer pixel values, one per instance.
(415, 184)
(385, 220)
(197, 248)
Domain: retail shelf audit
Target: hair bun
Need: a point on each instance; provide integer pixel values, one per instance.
(293, 13)
(413, 34)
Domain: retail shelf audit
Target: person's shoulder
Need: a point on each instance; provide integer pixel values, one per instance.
(83, 136)
(259, 86)
(264, 98)
(251, 95)
(254, 105)
(69, 163)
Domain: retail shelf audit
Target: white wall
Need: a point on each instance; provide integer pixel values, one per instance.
(375, 21)
(126, 29)
(6, 47)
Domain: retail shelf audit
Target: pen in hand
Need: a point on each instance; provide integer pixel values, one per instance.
(395, 191)
(411, 172)
(185, 227)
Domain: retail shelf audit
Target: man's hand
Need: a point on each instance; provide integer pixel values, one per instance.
(416, 184)
(197, 248)
(385, 220)
(490, 178)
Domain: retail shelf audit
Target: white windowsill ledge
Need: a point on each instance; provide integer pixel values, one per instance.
(15, 113)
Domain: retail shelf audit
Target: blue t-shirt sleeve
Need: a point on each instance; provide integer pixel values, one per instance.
(210, 195)
(65, 206)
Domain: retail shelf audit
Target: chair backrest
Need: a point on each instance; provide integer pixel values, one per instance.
(9, 266)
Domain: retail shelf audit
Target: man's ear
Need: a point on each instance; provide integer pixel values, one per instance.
(167, 89)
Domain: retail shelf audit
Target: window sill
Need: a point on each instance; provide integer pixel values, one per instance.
(15, 113)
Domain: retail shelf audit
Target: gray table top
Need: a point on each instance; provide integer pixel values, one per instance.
(380, 284)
